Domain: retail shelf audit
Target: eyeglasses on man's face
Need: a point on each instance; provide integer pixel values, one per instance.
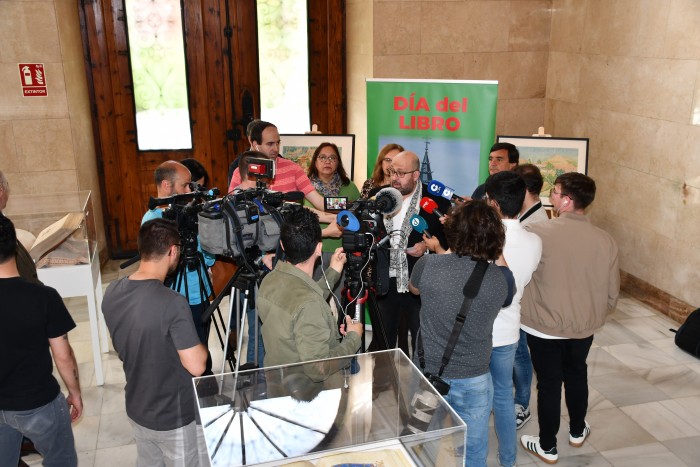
(553, 191)
(325, 158)
(400, 173)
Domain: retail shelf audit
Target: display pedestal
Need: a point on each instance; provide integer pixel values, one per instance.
(34, 213)
(83, 280)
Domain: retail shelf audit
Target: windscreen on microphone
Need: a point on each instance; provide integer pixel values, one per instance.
(388, 200)
(420, 225)
(348, 221)
(430, 206)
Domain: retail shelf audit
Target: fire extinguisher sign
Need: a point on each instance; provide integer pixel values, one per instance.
(33, 79)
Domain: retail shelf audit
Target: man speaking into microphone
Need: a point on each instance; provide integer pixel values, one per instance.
(399, 309)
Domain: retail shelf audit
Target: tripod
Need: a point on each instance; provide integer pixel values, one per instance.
(192, 259)
(243, 281)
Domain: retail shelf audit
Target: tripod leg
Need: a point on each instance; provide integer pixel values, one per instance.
(377, 322)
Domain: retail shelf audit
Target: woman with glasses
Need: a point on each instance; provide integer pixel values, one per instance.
(329, 178)
(381, 175)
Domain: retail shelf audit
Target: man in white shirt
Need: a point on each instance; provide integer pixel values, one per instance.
(505, 192)
(531, 213)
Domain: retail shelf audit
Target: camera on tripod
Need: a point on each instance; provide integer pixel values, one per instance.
(239, 222)
(184, 209)
(363, 228)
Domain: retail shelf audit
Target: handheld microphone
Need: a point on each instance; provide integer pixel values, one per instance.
(420, 225)
(439, 189)
(388, 200)
(430, 206)
(348, 221)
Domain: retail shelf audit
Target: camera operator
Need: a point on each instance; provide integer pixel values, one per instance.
(173, 178)
(298, 324)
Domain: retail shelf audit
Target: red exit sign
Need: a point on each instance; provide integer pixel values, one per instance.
(33, 79)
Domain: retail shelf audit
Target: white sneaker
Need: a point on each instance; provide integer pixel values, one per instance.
(577, 440)
(522, 416)
(532, 444)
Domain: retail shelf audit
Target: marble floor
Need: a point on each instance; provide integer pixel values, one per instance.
(644, 405)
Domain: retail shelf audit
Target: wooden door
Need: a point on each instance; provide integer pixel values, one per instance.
(222, 67)
(221, 54)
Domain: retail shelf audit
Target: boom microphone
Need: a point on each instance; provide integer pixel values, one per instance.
(439, 189)
(430, 206)
(420, 225)
(183, 197)
(388, 200)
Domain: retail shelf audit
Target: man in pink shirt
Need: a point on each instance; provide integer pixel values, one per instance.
(288, 175)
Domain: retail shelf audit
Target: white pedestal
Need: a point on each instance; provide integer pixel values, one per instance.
(78, 281)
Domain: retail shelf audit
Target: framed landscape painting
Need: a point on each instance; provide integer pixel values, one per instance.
(553, 156)
(300, 149)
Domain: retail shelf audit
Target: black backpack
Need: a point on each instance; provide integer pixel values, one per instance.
(688, 335)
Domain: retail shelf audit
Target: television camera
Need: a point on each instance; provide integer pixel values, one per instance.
(367, 266)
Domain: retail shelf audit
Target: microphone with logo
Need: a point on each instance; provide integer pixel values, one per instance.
(420, 225)
(430, 206)
(439, 189)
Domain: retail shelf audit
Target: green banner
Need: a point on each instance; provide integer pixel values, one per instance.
(451, 125)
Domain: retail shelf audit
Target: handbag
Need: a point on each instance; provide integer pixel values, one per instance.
(471, 288)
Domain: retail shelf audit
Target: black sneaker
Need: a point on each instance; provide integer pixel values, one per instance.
(522, 416)
(532, 444)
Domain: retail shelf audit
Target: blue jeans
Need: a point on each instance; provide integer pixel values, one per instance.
(47, 426)
(501, 368)
(250, 357)
(471, 399)
(522, 372)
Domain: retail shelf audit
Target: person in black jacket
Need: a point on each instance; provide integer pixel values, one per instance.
(407, 246)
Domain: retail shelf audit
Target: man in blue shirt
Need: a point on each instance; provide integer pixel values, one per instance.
(173, 178)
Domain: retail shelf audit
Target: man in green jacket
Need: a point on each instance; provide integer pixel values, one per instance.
(298, 325)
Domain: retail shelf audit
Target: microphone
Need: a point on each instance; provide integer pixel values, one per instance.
(388, 200)
(155, 202)
(293, 195)
(420, 225)
(196, 187)
(430, 206)
(439, 189)
(348, 221)
(384, 241)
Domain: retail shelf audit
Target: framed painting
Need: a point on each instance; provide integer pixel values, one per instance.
(300, 149)
(553, 156)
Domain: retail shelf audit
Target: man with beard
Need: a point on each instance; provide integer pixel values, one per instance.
(153, 333)
(407, 246)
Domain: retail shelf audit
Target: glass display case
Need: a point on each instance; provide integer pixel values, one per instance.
(63, 243)
(62, 224)
(373, 409)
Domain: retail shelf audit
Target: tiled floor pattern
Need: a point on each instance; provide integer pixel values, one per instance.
(644, 406)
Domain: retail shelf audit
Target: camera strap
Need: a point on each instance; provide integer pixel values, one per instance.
(471, 288)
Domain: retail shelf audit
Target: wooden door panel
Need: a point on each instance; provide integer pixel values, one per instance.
(221, 55)
(126, 172)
